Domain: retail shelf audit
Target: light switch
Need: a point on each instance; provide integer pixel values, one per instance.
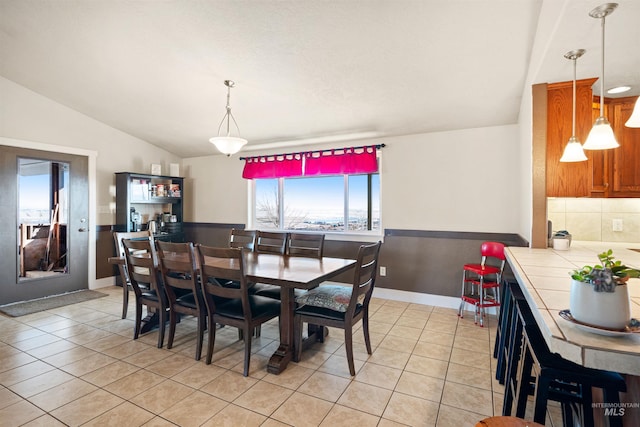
(617, 225)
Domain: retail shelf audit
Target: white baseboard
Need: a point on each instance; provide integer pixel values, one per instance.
(103, 283)
(416, 297)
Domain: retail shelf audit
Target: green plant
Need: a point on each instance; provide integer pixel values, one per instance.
(606, 275)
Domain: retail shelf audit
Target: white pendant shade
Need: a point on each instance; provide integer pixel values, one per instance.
(634, 120)
(228, 144)
(573, 152)
(601, 136)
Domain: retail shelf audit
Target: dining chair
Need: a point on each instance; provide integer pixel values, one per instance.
(142, 265)
(122, 267)
(341, 306)
(180, 276)
(478, 278)
(231, 306)
(271, 242)
(242, 239)
(306, 244)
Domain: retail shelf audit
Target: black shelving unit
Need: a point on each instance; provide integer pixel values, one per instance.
(136, 190)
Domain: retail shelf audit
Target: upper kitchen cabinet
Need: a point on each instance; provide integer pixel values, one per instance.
(567, 179)
(607, 173)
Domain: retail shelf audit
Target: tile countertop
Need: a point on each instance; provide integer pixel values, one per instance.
(544, 275)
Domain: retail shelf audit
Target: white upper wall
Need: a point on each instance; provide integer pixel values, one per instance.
(26, 115)
(455, 181)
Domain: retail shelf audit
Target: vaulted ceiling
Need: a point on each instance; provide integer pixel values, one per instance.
(305, 69)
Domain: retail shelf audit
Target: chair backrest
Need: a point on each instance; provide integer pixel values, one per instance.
(142, 264)
(365, 274)
(118, 237)
(271, 242)
(306, 244)
(222, 265)
(493, 250)
(179, 268)
(242, 239)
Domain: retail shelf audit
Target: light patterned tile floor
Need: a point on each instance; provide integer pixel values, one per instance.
(78, 365)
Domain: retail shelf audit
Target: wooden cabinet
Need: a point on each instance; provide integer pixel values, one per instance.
(567, 179)
(607, 173)
(142, 198)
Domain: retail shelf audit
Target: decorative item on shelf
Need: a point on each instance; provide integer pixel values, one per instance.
(573, 152)
(174, 190)
(561, 240)
(599, 295)
(174, 169)
(160, 190)
(601, 136)
(156, 169)
(228, 144)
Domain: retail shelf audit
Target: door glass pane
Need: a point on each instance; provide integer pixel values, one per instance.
(43, 212)
(314, 203)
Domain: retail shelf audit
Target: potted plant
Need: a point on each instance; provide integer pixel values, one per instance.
(599, 294)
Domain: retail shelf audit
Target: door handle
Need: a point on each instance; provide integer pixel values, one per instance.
(82, 229)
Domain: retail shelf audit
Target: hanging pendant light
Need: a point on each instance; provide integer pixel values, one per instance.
(634, 119)
(573, 152)
(228, 144)
(601, 136)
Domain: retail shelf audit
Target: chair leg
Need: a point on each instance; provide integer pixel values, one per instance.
(163, 320)
(211, 334)
(247, 350)
(125, 299)
(172, 328)
(201, 327)
(365, 329)
(348, 344)
(138, 324)
(297, 338)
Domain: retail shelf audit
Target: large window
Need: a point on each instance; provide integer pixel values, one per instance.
(342, 203)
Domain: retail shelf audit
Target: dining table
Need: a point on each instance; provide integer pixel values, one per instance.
(544, 278)
(290, 273)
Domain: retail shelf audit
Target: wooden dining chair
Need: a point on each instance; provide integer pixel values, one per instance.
(306, 244)
(118, 237)
(184, 294)
(271, 242)
(242, 239)
(341, 306)
(142, 265)
(231, 306)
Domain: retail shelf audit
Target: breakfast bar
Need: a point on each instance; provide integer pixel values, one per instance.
(544, 277)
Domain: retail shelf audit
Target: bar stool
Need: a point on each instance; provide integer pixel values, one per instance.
(478, 278)
(548, 376)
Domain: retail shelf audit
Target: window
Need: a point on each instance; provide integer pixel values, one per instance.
(338, 203)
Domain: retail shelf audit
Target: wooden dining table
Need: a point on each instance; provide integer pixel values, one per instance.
(290, 273)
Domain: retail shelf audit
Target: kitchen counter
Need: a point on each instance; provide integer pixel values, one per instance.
(544, 275)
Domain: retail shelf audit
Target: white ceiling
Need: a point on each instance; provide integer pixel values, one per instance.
(305, 69)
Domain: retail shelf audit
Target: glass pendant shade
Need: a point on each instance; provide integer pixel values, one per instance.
(601, 136)
(634, 120)
(228, 144)
(573, 152)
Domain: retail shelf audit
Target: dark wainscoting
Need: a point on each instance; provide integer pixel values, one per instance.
(416, 260)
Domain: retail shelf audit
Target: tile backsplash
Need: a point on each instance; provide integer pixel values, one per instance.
(594, 219)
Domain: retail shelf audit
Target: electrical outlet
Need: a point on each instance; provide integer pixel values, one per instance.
(383, 271)
(617, 225)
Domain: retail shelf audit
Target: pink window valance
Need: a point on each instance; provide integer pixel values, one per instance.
(281, 166)
(359, 160)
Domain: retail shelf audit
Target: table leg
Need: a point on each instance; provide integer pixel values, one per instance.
(283, 355)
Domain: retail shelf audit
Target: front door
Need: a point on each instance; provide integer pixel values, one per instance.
(43, 223)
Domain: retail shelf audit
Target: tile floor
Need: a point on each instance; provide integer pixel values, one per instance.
(78, 365)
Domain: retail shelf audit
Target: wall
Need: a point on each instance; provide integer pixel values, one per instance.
(592, 219)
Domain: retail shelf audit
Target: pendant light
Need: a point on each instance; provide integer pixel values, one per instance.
(573, 152)
(228, 144)
(634, 119)
(601, 136)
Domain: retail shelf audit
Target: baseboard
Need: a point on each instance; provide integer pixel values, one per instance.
(103, 283)
(416, 297)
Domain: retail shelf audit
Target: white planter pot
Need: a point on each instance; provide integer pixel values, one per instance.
(604, 309)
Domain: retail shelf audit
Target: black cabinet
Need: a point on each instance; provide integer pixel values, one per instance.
(142, 198)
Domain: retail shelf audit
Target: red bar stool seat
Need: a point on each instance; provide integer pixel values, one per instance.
(477, 279)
